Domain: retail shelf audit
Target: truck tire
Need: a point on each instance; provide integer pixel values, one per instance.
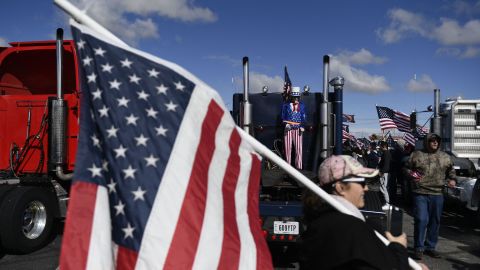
(26, 219)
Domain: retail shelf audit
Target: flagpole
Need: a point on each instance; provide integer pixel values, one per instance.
(83, 18)
(299, 177)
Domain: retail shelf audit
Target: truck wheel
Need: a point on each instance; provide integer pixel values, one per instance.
(26, 219)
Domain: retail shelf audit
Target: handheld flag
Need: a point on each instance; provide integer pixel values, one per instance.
(163, 179)
(409, 138)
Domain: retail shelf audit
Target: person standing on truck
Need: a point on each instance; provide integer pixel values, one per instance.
(384, 167)
(429, 169)
(334, 240)
(294, 118)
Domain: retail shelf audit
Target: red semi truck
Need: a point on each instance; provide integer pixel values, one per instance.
(39, 112)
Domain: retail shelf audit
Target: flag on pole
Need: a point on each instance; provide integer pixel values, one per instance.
(385, 117)
(348, 118)
(421, 131)
(287, 85)
(346, 133)
(162, 179)
(390, 141)
(409, 138)
(402, 121)
(390, 119)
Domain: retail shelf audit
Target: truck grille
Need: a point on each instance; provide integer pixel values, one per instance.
(466, 133)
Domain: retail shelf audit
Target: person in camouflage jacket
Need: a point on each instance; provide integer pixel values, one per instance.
(429, 170)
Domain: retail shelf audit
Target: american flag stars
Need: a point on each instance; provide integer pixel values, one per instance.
(107, 68)
(134, 122)
(153, 73)
(99, 51)
(87, 60)
(126, 63)
(162, 89)
(96, 171)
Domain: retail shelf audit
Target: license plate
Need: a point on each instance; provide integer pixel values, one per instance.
(285, 227)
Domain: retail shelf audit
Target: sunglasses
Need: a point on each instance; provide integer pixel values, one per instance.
(363, 184)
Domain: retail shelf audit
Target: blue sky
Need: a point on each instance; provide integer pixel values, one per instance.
(391, 53)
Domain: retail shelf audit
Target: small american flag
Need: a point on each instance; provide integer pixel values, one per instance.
(390, 141)
(162, 178)
(346, 134)
(348, 118)
(421, 131)
(287, 85)
(364, 142)
(409, 138)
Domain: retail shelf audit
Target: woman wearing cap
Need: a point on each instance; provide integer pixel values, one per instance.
(334, 240)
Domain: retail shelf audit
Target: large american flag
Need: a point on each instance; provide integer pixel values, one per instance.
(402, 121)
(385, 117)
(390, 118)
(162, 178)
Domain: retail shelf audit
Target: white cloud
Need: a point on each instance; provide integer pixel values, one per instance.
(423, 84)
(468, 8)
(402, 23)
(132, 20)
(446, 32)
(176, 9)
(450, 32)
(469, 52)
(362, 57)
(225, 58)
(257, 81)
(3, 42)
(358, 79)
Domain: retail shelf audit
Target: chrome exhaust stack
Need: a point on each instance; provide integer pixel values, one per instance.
(323, 137)
(246, 106)
(436, 120)
(58, 119)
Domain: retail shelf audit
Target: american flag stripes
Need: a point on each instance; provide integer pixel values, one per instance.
(162, 178)
(421, 131)
(402, 121)
(345, 133)
(409, 138)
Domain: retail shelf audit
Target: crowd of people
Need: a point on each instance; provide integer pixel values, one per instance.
(336, 240)
(389, 160)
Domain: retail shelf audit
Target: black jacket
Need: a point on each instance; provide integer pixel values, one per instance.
(334, 240)
(385, 161)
